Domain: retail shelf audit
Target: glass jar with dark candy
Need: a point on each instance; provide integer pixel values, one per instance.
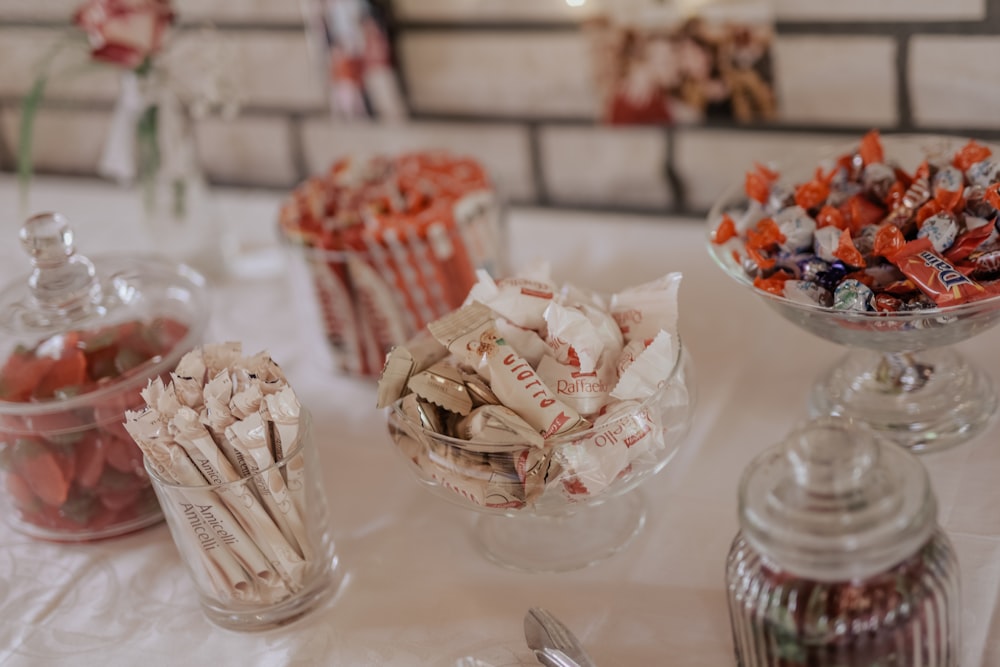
(79, 340)
(839, 560)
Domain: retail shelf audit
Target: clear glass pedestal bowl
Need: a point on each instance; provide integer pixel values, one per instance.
(900, 376)
(569, 504)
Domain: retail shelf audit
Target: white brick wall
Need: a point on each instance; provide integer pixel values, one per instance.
(243, 11)
(837, 80)
(606, 166)
(250, 150)
(272, 68)
(499, 73)
(52, 10)
(22, 51)
(63, 141)
(955, 81)
(709, 162)
(786, 10)
(879, 10)
(503, 149)
(491, 10)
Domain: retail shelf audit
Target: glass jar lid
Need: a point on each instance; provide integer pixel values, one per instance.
(835, 502)
(70, 304)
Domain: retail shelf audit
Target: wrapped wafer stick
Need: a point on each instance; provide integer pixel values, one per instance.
(267, 372)
(284, 410)
(246, 402)
(227, 576)
(250, 436)
(188, 379)
(279, 547)
(220, 357)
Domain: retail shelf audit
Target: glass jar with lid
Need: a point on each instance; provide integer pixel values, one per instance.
(78, 341)
(839, 559)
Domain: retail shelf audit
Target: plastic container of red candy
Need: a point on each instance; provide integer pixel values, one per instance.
(78, 341)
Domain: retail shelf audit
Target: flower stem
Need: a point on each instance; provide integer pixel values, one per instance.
(149, 154)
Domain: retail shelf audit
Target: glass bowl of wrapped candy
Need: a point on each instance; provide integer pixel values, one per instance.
(80, 340)
(888, 246)
(543, 408)
(390, 243)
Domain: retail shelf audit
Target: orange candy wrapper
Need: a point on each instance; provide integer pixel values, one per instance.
(392, 243)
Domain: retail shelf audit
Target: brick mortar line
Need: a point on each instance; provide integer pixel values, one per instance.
(56, 102)
(12, 104)
(989, 25)
(298, 147)
(222, 26)
(904, 107)
(536, 164)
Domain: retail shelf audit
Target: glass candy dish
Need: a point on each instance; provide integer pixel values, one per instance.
(900, 376)
(80, 340)
(566, 505)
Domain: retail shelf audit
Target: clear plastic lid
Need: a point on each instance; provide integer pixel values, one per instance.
(835, 502)
(73, 327)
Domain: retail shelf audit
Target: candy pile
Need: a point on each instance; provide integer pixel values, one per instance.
(71, 468)
(225, 418)
(392, 244)
(865, 235)
(531, 390)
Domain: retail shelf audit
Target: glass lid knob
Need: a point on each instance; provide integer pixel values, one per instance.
(63, 284)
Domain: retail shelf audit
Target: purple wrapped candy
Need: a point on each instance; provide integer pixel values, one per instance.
(852, 295)
(830, 278)
(810, 293)
(941, 229)
(797, 227)
(811, 268)
(825, 241)
(792, 262)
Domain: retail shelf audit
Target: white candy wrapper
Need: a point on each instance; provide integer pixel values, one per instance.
(470, 334)
(643, 311)
(521, 300)
(620, 436)
(573, 338)
(645, 375)
(526, 341)
(585, 392)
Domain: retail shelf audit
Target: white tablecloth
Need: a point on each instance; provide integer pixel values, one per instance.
(416, 590)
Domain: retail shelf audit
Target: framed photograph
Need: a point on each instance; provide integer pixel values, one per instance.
(664, 66)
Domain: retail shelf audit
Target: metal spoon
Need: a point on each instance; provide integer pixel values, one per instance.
(553, 643)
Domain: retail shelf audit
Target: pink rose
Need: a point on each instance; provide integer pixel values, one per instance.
(125, 32)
